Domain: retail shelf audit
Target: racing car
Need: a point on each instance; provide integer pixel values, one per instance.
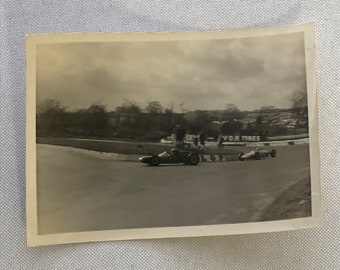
(175, 156)
(257, 154)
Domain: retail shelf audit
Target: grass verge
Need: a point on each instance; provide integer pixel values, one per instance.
(120, 147)
(295, 202)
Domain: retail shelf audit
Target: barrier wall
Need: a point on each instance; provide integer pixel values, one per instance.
(263, 143)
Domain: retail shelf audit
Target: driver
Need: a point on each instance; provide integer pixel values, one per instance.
(174, 151)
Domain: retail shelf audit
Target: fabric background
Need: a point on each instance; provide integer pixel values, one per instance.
(303, 249)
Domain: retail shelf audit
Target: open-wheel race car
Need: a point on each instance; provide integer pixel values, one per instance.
(175, 156)
(257, 154)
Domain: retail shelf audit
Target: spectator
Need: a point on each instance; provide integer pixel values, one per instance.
(220, 141)
(202, 138)
(195, 141)
(180, 134)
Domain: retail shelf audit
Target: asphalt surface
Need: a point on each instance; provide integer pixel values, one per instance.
(76, 192)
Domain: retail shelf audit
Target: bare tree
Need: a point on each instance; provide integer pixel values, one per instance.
(154, 107)
(299, 99)
(300, 107)
(49, 105)
(231, 112)
(50, 117)
(181, 105)
(129, 106)
(170, 108)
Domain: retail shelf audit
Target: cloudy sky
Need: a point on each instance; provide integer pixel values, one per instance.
(207, 74)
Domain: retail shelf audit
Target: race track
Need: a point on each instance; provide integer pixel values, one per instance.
(76, 192)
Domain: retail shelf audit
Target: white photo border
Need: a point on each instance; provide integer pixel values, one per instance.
(34, 239)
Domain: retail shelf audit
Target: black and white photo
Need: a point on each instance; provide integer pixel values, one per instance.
(151, 135)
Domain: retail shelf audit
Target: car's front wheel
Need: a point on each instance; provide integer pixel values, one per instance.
(154, 161)
(194, 159)
(273, 153)
(257, 156)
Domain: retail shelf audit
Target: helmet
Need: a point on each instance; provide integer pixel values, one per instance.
(173, 151)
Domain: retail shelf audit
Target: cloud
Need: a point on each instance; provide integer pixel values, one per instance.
(249, 72)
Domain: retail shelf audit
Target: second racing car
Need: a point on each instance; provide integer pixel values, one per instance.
(257, 154)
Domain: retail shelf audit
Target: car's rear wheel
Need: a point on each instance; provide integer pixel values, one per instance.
(273, 153)
(194, 159)
(154, 161)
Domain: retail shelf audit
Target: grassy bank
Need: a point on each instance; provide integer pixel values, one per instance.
(120, 147)
(295, 202)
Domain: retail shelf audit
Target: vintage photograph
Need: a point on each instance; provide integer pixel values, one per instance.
(141, 132)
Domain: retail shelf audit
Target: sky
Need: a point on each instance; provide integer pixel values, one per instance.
(204, 74)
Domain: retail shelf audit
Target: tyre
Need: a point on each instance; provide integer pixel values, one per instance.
(194, 159)
(212, 158)
(257, 156)
(240, 156)
(273, 153)
(154, 161)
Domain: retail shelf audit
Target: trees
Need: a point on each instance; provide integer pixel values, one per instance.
(97, 123)
(198, 120)
(154, 107)
(299, 99)
(231, 112)
(128, 117)
(129, 106)
(231, 127)
(150, 122)
(49, 105)
(50, 117)
(54, 120)
(300, 107)
(230, 117)
(92, 121)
